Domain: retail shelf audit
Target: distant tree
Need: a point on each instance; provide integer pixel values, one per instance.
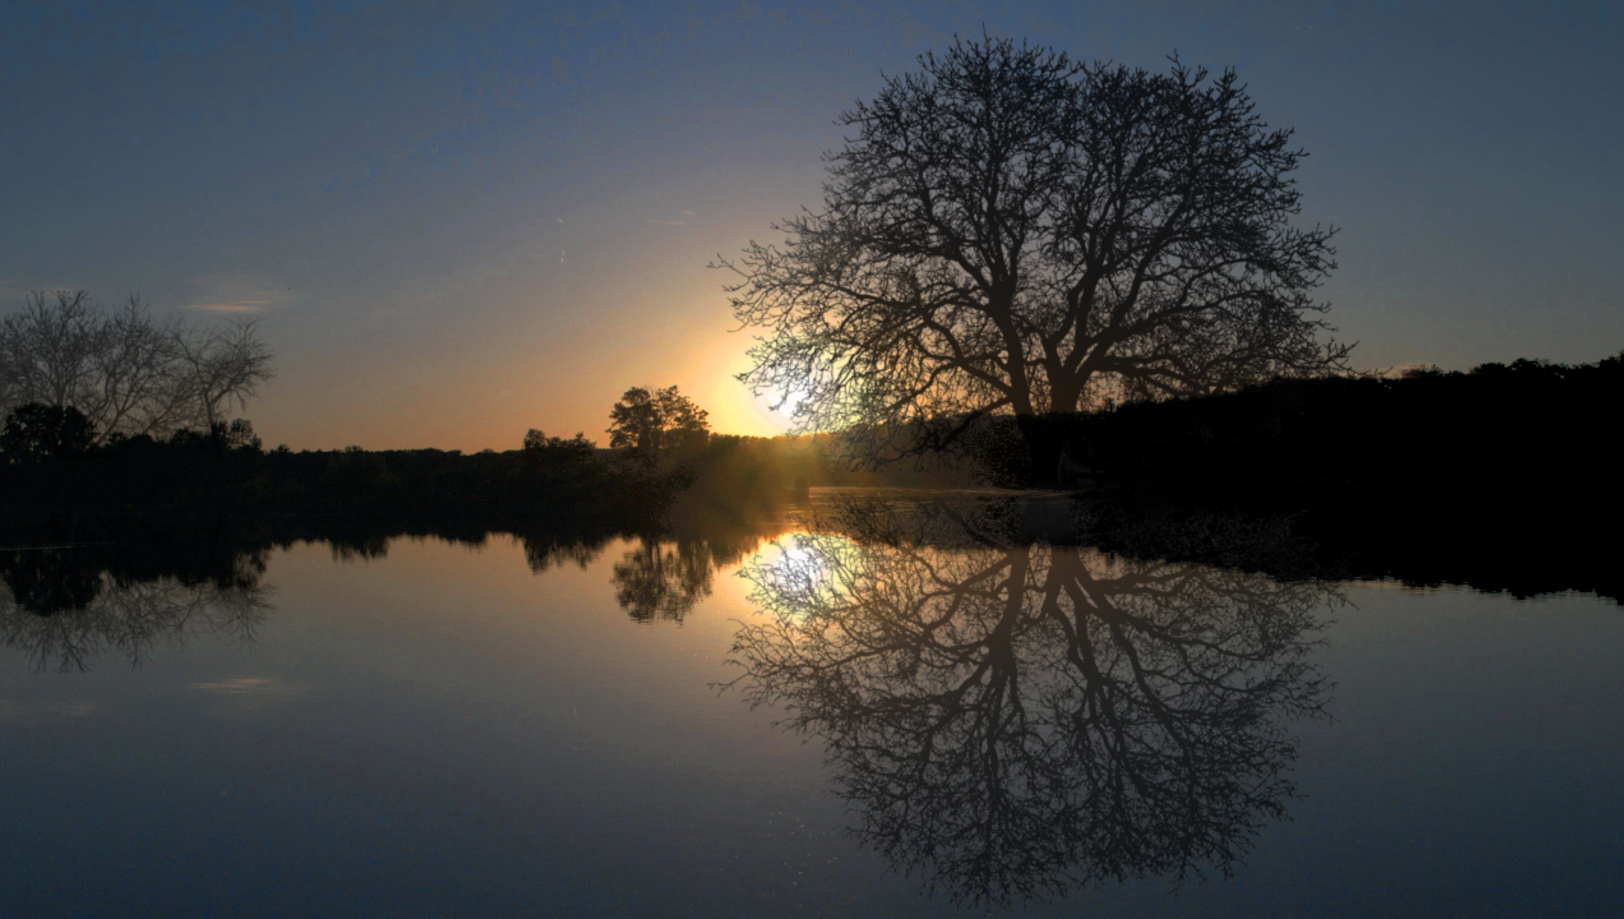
(129, 373)
(36, 431)
(557, 450)
(238, 435)
(653, 424)
(1008, 231)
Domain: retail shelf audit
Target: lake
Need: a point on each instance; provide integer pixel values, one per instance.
(902, 707)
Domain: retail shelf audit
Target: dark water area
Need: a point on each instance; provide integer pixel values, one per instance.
(875, 703)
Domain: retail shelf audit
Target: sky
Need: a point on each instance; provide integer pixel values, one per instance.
(457, 222)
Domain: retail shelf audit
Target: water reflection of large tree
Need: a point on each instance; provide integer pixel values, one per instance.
(64, 609)
(1011, 721)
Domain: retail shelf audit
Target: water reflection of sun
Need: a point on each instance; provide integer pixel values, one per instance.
(800, 567)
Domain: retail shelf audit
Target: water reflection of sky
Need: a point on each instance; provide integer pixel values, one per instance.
(446, 731)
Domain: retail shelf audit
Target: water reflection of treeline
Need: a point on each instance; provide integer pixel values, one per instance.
(66, 603)
(81, 587)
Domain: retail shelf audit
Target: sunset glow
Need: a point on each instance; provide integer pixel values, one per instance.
(447, 257)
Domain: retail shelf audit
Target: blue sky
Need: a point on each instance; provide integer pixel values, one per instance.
(459, 221)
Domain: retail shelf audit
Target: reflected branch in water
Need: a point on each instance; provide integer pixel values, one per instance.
(1011, 721)
(97, 613)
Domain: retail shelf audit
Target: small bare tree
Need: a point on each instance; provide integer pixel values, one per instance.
(222, 366)
(48, 351)
(141, 390)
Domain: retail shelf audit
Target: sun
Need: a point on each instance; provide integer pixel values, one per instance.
(778, 409)
(787, 404)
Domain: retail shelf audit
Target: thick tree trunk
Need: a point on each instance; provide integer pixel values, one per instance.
(1044, 437)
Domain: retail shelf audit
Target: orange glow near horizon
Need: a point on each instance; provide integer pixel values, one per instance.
(733, 410)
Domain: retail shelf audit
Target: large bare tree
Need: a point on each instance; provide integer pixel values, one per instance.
(127, 371)
(1010, 231)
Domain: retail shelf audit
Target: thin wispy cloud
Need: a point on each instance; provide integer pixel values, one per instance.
(235, 294)
(246, 306)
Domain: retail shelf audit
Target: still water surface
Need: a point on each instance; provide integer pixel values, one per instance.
(887, 718)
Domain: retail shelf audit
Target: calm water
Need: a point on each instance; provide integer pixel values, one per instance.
(891, 715)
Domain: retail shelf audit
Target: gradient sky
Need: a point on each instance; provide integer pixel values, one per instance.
(460, 221)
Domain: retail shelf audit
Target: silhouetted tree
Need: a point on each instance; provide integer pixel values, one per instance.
(222, 366)
(238, 435)
(1011, 231)
(129, 373)
(655, 423)
(35, 432)
(538, 445)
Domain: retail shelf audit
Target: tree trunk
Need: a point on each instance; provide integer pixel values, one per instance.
(1044, 436)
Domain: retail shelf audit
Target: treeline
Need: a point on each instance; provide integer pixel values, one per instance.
(228, 472)
(1527, 419)
(51, 463)
(1504, 478)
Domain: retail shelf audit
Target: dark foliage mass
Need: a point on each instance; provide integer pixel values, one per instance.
(228, 471)
(35, 432)
(1530, 418)
(1502, 478)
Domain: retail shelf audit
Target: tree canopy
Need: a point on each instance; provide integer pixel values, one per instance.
(35, 431)
(1007, 230)
(657, 422)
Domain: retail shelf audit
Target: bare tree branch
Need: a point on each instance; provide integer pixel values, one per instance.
(1009, 228)
(128, 372)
